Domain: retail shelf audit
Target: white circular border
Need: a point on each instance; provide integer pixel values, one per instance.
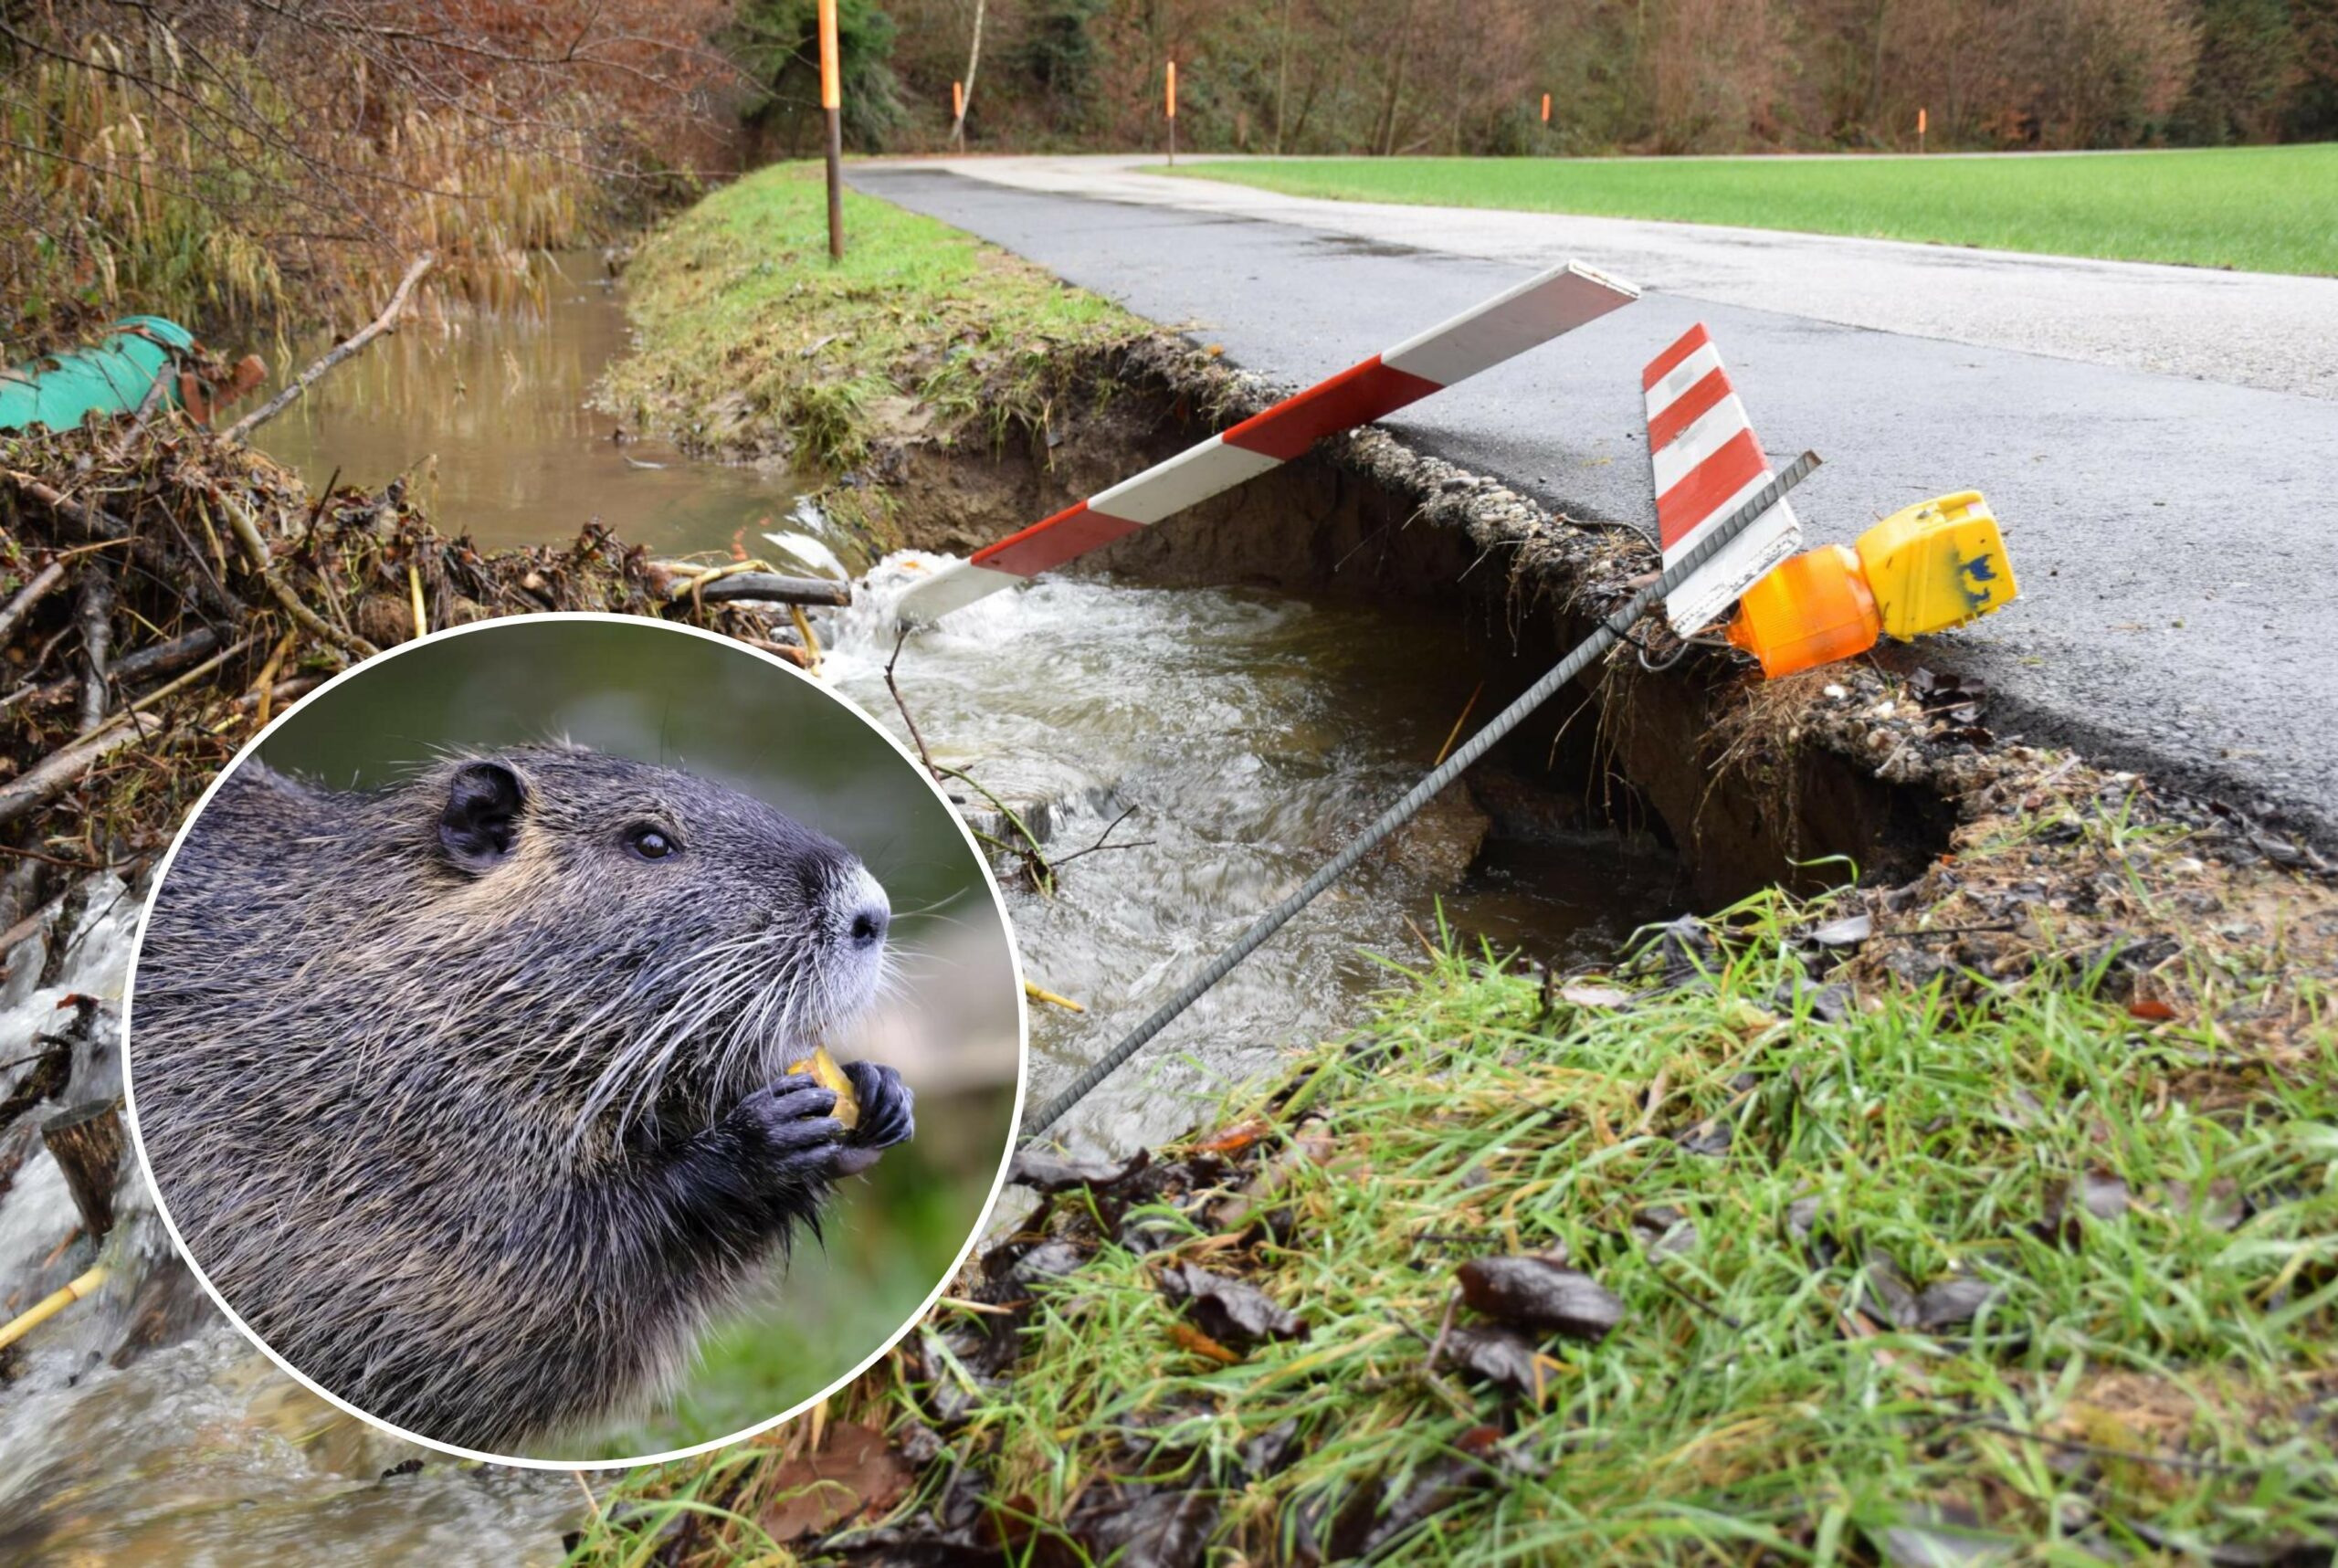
(982, 1222)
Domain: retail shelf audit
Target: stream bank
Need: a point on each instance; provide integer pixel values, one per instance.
(955, 395)
(1986, 1217)
(1980, 1208)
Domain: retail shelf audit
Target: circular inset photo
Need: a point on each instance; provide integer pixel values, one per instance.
(574, 1039)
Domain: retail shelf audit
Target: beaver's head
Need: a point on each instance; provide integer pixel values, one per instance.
(664, 936)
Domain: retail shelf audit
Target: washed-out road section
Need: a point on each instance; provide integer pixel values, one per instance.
(2171, 530)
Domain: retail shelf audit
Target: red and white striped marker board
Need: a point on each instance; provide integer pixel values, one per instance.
(1517, 319)
(1708, 464)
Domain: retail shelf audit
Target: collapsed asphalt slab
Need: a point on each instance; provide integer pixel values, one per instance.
(2168, 533)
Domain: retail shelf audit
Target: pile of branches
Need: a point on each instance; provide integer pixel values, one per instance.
(164, 591)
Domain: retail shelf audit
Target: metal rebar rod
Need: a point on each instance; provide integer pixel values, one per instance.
(1604, 636)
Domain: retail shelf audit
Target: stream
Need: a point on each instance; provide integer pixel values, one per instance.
(1229, 738)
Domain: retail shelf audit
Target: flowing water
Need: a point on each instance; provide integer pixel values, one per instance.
(1245, 736)
(1230, 740)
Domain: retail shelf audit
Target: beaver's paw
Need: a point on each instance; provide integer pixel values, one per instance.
(793, 1122)
(887, 1115)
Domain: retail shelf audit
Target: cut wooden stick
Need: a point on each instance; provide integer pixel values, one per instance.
(100, 526)
(1040, 993)
(787, 650)
(255, 547)
(155, 658)
(770, 588)
(804, 630)
(52, 1304)
(96, 615)
(86, 1142)
(263, 692)
(30, 595)
(341, 350)
(60, 770)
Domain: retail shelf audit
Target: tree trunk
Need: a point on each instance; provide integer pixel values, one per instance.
(1282, 76)
(973, 63)
(1387, 128)
(86, 1142)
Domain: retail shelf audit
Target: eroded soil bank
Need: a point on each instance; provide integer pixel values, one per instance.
(1981, 1208)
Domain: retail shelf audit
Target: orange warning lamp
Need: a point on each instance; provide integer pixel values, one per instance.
(1925, 568)
(1810, 609)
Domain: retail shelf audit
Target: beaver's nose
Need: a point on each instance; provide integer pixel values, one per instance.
(862, 910)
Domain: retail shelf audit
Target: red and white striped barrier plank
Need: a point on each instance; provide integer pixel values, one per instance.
(1708, 464)
(1517, 319)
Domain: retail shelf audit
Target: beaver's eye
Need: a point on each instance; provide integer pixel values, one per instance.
(650, 843)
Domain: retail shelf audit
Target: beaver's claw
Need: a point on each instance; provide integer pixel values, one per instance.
(793, 1124)
(888, 1115)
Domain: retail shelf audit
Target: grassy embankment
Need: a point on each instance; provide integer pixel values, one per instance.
(752, 341)
(2268, 209)
(2020, 1244)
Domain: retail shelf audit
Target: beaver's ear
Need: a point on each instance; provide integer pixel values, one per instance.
(482, 820)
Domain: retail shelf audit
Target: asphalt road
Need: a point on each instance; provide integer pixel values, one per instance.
(2174, 536)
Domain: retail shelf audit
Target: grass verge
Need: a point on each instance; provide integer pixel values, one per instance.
(2008, 1237)
(2266, 209)
(753, 343)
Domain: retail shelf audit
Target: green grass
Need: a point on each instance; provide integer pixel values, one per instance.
(2166, 1370)
(2268, 209)
(750, 337)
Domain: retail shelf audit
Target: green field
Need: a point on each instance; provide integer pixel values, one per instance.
(2266, 209)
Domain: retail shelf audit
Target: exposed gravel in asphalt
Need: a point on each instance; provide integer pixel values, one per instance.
(2172, 536)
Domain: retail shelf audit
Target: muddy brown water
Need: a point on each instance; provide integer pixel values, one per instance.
(1234, 736)
(490, 418)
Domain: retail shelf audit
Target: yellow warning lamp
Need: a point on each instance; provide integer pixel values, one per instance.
(1926, 568)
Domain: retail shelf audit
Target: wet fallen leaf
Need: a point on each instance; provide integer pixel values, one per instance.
(1049, 1260)
(1535, 1293)
(1503, 1358)
(1145, 1526)
(2287, 1553)
(2217, 1205)
(1053, 1173)
(1685, 950)
(1378, 1513)
(1952, 1302)
(1945, 1535)
(1235, 1138)
(1190, 1338)
(1228, 1311)
(1268, 1453)
(1709, 1138)
(1664, 1230)
(2105, 1194)
(1598, 998)
(853, 1474)
(1889, 1295)
(2100, 1195)
(1849, 932)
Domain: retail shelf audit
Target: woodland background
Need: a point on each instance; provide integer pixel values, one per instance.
(275, 162)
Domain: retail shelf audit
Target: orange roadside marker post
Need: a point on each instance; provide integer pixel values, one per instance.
(958, 113)
(1921, 117)
(1546, 109)
(832, 110)
(1171, 95)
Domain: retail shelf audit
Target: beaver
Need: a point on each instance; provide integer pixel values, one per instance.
(470, 1095)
